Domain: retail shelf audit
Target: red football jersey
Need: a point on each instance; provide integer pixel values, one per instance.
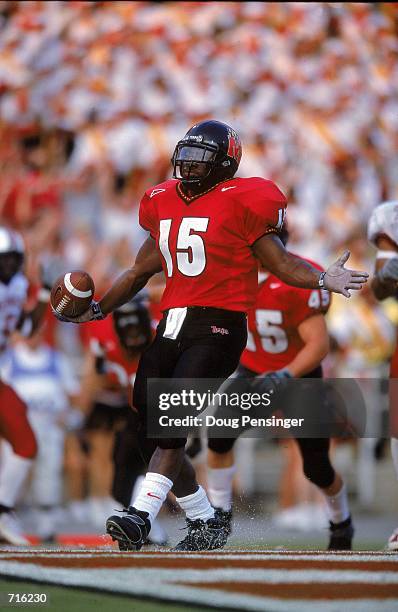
(393, 393)
(394, 363)
(205, 240)
(273, 340)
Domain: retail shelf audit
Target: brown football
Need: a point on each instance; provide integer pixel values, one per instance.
(72, 293)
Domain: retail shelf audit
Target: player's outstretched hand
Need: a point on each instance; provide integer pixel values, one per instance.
(92, 313)
(339, 279)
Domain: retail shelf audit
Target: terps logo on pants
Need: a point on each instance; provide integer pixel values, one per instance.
(219, 330)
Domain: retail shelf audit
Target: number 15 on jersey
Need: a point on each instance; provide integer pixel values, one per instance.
(190, 257)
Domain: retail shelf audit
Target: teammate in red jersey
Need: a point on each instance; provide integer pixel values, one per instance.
(207, 232)
(287, 338)
(14, 424)
(383, 234)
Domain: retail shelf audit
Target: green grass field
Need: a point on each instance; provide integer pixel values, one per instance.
(67, 599)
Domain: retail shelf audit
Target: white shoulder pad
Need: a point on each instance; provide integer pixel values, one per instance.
(19, 286)
(384, 220)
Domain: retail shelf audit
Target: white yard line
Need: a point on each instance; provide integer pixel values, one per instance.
(160, 583)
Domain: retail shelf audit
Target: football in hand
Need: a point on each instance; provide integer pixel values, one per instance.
(72, 293)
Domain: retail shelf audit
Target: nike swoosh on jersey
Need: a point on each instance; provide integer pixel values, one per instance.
(155, 191)
(274, 285)
(226, 188)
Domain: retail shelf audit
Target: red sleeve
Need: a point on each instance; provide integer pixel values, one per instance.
(147, 216)
(310, 302)
(264, 210)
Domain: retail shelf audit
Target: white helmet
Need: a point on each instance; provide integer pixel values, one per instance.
(384, 220)
(11, 241)
(11, 245)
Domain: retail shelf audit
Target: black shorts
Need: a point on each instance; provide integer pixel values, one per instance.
(106, 418)
(200, 350)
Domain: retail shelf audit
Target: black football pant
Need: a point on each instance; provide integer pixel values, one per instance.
(314, 451)
(209, 345)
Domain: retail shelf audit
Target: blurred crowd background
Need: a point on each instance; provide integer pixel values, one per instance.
(95, 95)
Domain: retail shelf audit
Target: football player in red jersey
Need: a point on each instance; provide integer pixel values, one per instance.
(287, 338)
(207, 232)
(383, 234)
(14, 424)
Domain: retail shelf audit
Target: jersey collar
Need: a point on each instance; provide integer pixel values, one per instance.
(188, 199)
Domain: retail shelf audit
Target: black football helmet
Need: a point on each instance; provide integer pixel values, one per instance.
(132, 325)
(209, 153)
(12, 253)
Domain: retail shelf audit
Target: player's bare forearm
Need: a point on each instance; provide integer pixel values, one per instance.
(286, 266)
(294, 271)
(31, 320)
(306, 360)
(134, 279)
(37, 314)
(314, 334)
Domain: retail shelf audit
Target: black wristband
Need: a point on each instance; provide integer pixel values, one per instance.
(321, 280)
(97, 312)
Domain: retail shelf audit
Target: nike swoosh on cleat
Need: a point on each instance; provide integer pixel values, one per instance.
(226, 188)
(117, 531)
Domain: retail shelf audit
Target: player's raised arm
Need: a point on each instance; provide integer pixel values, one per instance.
(294, 271)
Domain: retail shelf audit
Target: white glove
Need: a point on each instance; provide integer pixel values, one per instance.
(338, 279)
(92, 313)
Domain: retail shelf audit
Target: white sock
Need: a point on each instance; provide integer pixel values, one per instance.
(337, 506)
(394, 453)
(196, 505)
(13, 473)
(219, 487)
(152, 494)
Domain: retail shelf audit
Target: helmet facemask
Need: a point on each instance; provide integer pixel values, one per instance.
(196, 164)
(133, 328)
(10, 264)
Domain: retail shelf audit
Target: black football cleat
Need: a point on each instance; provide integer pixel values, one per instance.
(131, 530)
(341, 535)
(203, 535)
(225, 518)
